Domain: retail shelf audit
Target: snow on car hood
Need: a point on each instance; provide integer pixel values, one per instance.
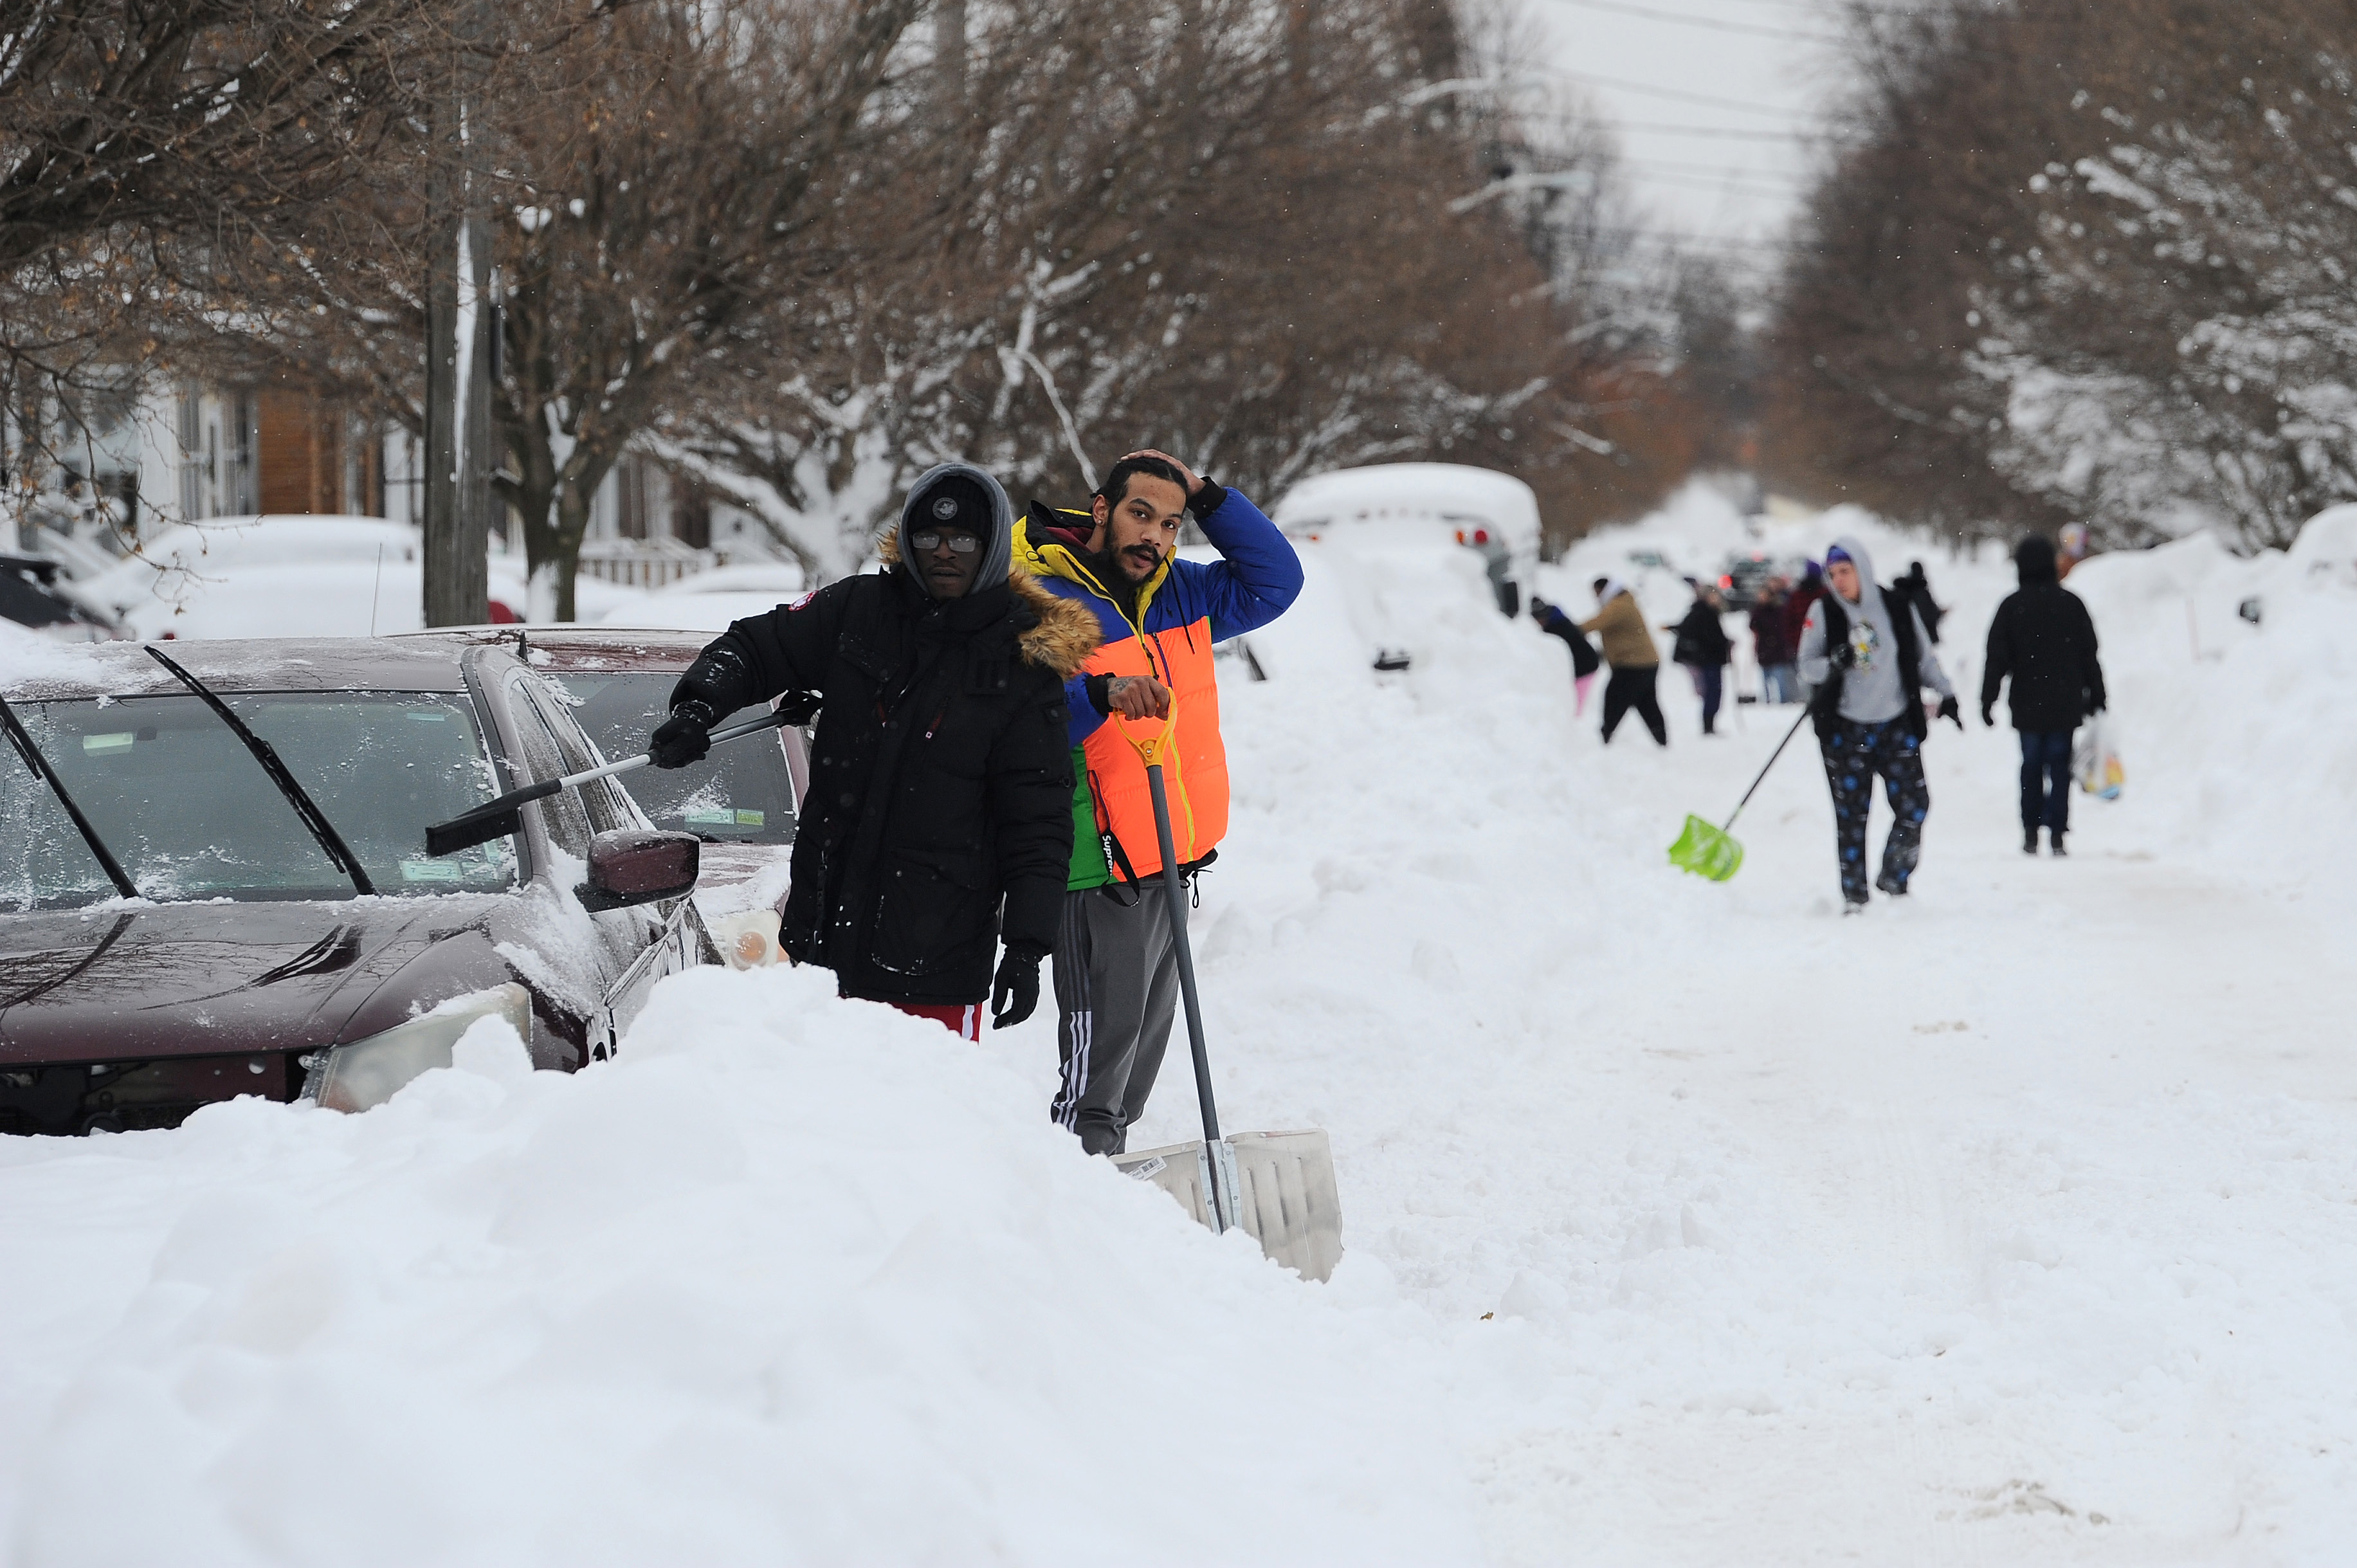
(134, 979)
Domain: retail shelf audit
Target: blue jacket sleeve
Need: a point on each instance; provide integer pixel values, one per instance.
(1085, 718)
(1257, 577)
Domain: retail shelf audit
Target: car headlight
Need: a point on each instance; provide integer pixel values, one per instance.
(369, 1072)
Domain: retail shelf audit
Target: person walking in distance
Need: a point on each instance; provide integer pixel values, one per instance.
(1770, 646)
(1636, 662)
(1867, 658)
(1703, 646)
(2043, 641)
(939, 814)
(1585, 661)
(1797, 605)
(1918, 589)
(1116, 959)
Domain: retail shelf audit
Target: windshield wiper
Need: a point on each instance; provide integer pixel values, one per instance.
(305, 807)
(41, 765)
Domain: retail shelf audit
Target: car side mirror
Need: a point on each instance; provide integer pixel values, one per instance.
(637, 865)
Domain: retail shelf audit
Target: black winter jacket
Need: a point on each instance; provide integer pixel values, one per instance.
(1584, 659)
(1701, 639)
(941, 788)
(2044, 640)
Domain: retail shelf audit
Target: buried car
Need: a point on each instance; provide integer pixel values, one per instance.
(740, 800)
(213, 878)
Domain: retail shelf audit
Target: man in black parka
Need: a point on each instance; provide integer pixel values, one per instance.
(939, 814)
(2044, 640)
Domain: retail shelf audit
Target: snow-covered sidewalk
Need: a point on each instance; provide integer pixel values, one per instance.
(1686, 1223)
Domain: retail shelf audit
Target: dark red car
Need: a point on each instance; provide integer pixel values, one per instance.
(741, 800)
(213, 878)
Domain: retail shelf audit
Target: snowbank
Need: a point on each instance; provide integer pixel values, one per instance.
(1687, 1223)
(2238, 733)
(794, 1280)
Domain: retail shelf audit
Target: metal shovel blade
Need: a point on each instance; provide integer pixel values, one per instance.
(1706, 850)
(1279, 1186)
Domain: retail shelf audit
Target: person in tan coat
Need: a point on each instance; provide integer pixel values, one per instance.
(1636, 662)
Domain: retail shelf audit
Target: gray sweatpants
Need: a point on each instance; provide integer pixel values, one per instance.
(1116, 972)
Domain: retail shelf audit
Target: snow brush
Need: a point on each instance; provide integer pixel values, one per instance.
(1708, 850)
(498, 818)
(1278, 1186)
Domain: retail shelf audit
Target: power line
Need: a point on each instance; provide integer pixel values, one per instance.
(1730, 186)
(1702, 98)
(1734, 133)
(1716, 168)
(1712, 23)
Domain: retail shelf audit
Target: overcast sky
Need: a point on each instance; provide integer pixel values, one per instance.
(1708, 96)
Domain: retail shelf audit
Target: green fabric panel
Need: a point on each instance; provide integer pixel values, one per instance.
(1089, 867)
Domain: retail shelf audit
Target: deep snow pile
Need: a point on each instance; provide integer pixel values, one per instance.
(794, 1281)
(1686, 1223)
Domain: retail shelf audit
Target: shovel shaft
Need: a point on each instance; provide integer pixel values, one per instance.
(1175, 887)
(1763, 772)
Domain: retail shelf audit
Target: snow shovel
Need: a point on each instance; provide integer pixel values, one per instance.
(498, 818)
(1278, 1186)
(1708, 850)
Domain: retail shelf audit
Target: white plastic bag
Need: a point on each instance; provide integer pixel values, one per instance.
(2095, 761)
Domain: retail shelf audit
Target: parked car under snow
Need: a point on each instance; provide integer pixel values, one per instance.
(740, 800)
(213, 878)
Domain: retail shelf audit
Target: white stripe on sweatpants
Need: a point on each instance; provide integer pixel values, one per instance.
(1071, 958)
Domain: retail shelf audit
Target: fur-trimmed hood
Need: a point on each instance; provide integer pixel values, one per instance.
(1062, 634)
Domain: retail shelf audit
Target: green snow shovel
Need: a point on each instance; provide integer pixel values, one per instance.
(1708, 850)
(1278, 1186)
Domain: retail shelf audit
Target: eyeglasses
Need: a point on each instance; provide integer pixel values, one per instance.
(963, 543)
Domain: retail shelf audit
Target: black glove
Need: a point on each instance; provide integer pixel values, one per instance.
(683, 737)
(1952, 713)
(1988, 715)
(1824, 698)
(798, 707)
(1016, 992)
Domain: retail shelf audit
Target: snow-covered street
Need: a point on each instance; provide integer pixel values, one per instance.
(2015, 1222)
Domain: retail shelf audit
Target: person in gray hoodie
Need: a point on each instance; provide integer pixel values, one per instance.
(1866, 656)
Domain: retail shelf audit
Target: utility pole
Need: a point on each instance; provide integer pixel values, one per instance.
(458, 488)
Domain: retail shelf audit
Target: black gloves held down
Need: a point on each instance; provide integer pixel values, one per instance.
(1951, 712)
(683, 737)
(1016, 992)
(1988, 715)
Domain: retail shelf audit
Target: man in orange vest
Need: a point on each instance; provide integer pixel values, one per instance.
(1116, 963)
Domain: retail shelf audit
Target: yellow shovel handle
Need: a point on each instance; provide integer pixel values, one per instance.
(1154, 748)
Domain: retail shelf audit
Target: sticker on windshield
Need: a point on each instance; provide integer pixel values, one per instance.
(118, 741)
(722, 817)
(429, 871)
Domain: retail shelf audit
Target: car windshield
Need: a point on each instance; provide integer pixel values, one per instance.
(190, 813)
(739, 794)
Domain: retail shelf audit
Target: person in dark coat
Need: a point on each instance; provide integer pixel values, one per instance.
(1918, 588)
(1778, 680)
(1585, 661)
(939, 810)
(1796, 614)
(2044, 641)
(1702, 646)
